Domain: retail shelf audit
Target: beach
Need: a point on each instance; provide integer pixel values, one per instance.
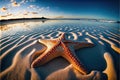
(20, 40)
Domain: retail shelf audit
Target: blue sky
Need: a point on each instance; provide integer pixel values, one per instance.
(101, 9)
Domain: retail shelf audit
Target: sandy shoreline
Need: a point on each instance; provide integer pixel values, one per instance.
(17, 51)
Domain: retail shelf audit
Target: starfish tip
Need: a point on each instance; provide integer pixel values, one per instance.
(33, 65)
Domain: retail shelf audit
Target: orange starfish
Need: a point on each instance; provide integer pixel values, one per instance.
(60, 47)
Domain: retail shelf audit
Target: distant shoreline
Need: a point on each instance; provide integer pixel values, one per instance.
(44, 19)
(24, 19)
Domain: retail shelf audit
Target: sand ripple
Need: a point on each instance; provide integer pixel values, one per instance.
(15, 56)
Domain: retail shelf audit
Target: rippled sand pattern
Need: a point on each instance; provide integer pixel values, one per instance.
(19, 41)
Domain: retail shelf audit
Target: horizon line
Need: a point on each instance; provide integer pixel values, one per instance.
(54, 18)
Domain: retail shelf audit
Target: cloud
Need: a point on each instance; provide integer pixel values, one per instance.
(37, 8)
(9, 14)
(32, 6)
(43, 9)
(23, 1)
(59, 17)
(3, 9)
(15, 4)
(34, 12)
(26, 12)
(4, 16)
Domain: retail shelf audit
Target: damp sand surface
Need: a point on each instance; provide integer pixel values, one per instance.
(20, 40)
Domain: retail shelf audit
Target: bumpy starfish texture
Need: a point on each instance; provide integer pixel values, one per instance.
(60, 47)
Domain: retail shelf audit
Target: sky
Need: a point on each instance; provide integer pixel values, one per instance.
(96, 9)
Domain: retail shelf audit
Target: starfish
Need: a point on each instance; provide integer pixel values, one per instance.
(60, 47)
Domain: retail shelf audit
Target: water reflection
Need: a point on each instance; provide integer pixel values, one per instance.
(13, 27)
(23, 23)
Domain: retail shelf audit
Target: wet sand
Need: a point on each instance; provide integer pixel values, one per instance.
(18, 46)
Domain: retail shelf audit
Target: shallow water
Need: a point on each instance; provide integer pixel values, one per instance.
(19, 41)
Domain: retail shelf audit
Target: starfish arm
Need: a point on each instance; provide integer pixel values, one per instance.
(37, 53)
(48, 55)
(78, 45)
(70, 56)
(47, 42)
(52, 42)
(62, 36)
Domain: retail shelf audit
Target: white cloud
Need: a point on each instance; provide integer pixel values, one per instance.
(15, 4)
(32, 6)
(23, 1)
(3, 9)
